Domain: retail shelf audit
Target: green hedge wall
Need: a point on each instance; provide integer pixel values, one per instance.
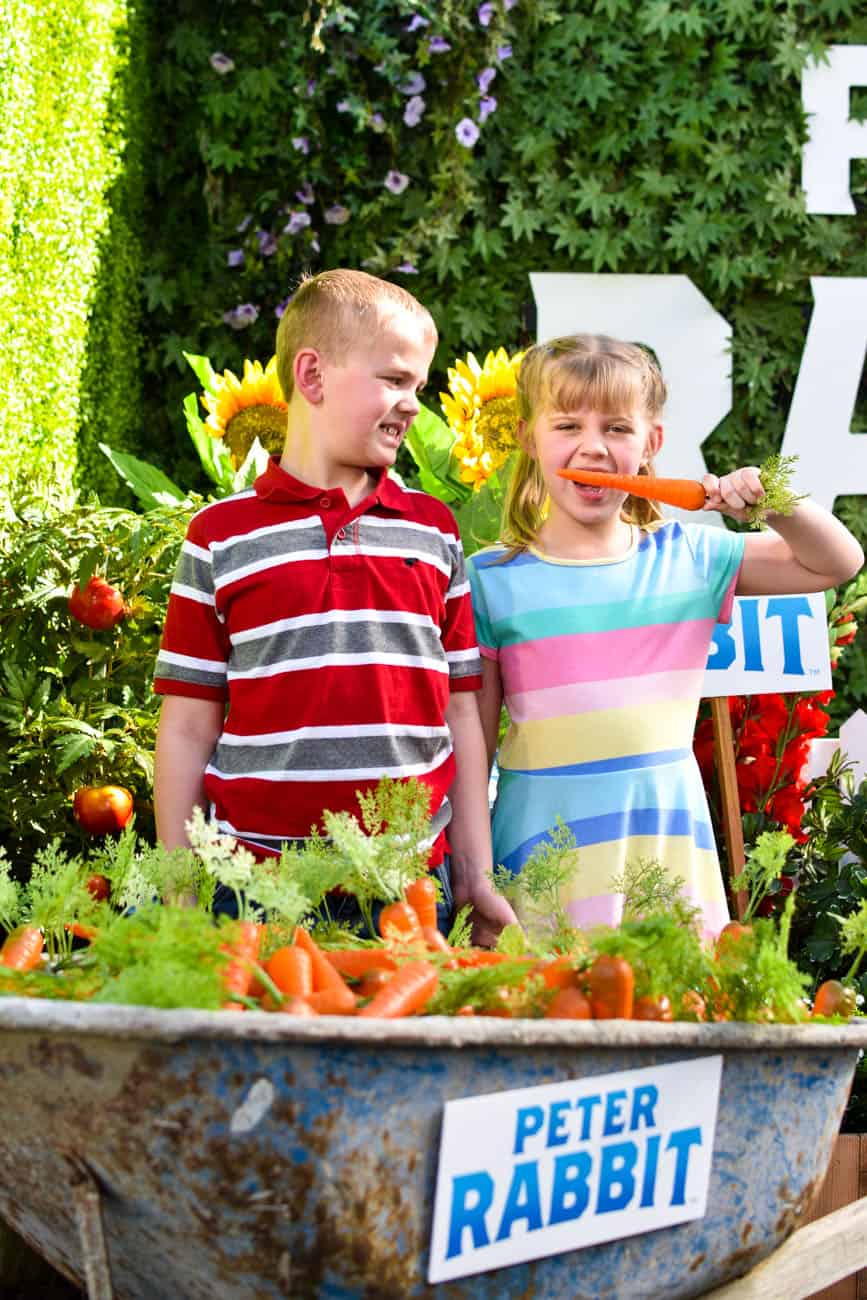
(70, 194)
(655, 137)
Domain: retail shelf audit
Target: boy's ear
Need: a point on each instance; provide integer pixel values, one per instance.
(307, 373)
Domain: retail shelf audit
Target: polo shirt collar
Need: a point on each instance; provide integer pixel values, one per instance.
(279, 488)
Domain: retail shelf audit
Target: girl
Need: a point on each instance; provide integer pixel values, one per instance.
(595, 617)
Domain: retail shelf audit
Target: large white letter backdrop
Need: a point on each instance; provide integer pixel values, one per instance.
(833, 140)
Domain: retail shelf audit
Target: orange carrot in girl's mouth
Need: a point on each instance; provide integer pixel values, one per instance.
(685, 493)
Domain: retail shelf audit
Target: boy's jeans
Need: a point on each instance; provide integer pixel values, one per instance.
(344, 909)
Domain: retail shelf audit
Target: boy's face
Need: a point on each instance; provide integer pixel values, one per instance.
(370, 398)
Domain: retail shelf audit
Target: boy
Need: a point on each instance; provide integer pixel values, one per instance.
(319, 633)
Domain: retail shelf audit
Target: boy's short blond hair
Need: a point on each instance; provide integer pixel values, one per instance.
(333, 310)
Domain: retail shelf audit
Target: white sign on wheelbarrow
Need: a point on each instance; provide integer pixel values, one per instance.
(539, 1171)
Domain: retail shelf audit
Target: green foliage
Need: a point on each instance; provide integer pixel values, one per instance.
(76, 706)
(70, 199)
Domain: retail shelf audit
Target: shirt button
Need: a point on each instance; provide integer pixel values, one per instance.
(325, 502)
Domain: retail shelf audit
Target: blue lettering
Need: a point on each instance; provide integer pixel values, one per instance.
(643, 1101)
(752, 641)
(648, 1182)
(557, 1132)
(613, 1106)
(570, 1193)
(585, 1105)
(523, 1200)
(788, 611)
(681, 1141)
(530, 1120)
(615, 1171)
(722, 647)
(466, 1215)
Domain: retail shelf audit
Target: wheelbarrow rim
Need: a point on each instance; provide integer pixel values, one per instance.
(112, 1020)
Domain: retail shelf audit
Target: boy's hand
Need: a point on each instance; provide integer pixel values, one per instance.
(490, 911)
(734, 494)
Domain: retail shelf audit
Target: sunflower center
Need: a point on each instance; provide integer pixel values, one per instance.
(495, 424)
(267, 423)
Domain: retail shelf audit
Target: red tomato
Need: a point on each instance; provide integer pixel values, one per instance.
(101, 809)
(98, 887)
(99, 606)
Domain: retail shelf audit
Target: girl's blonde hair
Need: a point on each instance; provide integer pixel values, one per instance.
(566, 374)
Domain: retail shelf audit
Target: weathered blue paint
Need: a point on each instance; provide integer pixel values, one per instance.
(257, 1156)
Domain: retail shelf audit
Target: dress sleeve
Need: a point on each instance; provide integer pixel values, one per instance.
(194, 650)
(719, 554)
(484, 627)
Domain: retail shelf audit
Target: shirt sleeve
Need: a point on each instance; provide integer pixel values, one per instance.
(458, 634)
(194, 650)
(719, 554)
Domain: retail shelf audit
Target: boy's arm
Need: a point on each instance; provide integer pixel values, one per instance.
(187, 735)
(470, 828)
(809, 550)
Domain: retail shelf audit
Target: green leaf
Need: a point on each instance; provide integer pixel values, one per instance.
(213, 452)
(87, 565)
(429, 441)
(70, 750)
(204, 372)
(152, 487)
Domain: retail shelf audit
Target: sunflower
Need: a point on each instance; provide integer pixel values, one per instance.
(482, 413)
(244, 409)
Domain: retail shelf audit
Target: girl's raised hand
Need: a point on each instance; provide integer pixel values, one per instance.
(734, 494)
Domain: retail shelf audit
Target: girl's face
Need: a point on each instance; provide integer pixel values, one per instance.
(615, 441)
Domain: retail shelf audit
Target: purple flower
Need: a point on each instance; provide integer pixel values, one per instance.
(344, 106)
(414, 84)
(305, 194)
(297, 221)
(235, 257)
(221, 63)
(407, 268)
(414, 111)
(484, 79)
(396, 181)
(415, 22)
(438, 45)
(485, 13)
(244, 223)
(267, 243)
(509, 4)
(504, 52)
(241, 316)
(301, 143)
(467, 132)
(487, 106)
(377, 122)
(337, 215)
(281, 306)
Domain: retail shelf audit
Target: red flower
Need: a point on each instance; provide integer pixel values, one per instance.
(737, 709)
(754, 777)
(794, 758)
(702, 745)
(753, 740)
(772, 715)
(810, 719)
(787, 808)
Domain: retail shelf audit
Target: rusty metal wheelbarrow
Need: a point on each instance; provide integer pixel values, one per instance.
(160, 1155)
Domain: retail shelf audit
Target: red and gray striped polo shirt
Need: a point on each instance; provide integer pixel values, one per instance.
(334, 634)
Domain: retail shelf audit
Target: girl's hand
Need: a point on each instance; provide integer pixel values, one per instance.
(734, 494)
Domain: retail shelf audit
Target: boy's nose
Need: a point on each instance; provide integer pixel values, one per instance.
(410, 404)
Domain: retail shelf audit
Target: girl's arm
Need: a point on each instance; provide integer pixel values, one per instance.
(808, 550)
(490, 706)
(469, 831)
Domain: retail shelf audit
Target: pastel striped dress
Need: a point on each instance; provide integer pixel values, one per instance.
(602, 664)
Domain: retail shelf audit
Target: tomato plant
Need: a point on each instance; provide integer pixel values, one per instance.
(101, 809)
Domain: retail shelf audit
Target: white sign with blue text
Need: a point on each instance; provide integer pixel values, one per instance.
(773, 645)
(538, 1171)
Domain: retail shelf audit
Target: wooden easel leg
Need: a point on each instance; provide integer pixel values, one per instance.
(724, 760)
